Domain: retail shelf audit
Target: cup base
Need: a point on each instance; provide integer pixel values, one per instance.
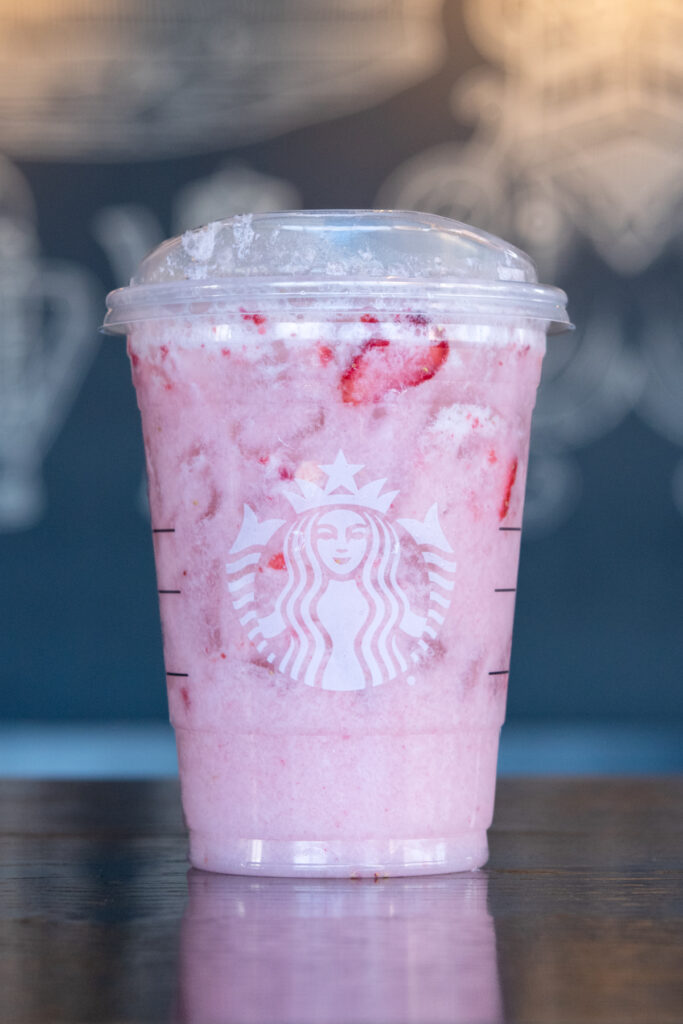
(339, 858)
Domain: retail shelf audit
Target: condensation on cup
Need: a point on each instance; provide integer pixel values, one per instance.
(336, 409)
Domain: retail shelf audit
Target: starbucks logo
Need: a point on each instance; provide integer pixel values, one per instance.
(342, 619)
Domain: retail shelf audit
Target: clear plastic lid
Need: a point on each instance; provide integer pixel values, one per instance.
(296, 263)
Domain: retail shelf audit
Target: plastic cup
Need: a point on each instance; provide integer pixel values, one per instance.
(336, 409)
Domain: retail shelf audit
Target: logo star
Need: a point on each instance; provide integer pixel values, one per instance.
(340, 474)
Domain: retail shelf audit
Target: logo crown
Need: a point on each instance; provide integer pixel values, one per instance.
(340, 474)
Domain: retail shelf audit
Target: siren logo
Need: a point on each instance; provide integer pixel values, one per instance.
(344, 617)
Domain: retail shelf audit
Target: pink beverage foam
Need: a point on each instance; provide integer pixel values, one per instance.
(336, 507)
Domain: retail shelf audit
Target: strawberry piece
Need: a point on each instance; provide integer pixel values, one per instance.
(256, 318)
(325, 353)
(277, 561)
(380, 367)
(511, 477)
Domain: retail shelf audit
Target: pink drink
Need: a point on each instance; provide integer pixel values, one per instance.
(336, 495)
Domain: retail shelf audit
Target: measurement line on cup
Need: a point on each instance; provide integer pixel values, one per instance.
(505, 590)
(178, 675)
(168, 591)
(510, 529)
(164, 529)
(500, 672)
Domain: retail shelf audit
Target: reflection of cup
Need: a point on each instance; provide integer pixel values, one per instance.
(336, 413)
(419, 949)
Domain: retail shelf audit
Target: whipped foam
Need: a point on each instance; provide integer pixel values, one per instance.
(254, 340)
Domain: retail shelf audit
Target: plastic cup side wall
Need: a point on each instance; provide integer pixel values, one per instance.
(276, 748)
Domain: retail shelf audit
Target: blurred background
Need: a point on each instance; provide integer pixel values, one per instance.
(559, 127)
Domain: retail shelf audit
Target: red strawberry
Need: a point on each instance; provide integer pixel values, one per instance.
(277, 561)
(380, 367)
(256, 318)
(511, 477)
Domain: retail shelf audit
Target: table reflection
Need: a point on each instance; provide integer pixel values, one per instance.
(315, 950)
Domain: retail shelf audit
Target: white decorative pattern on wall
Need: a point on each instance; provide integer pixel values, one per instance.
(49, 336)
(578, 137)
(124, 79)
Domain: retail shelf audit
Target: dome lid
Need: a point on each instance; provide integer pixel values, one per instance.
(346, 259)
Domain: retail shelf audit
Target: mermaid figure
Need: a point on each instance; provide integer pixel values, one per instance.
(342, 604)
(342, 620)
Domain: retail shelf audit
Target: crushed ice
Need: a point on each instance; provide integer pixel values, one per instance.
(199, 243)
(243, 234)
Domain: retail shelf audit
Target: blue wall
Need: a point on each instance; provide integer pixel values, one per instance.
(599, 610)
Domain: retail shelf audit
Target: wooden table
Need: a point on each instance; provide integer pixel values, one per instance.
(578, 918)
